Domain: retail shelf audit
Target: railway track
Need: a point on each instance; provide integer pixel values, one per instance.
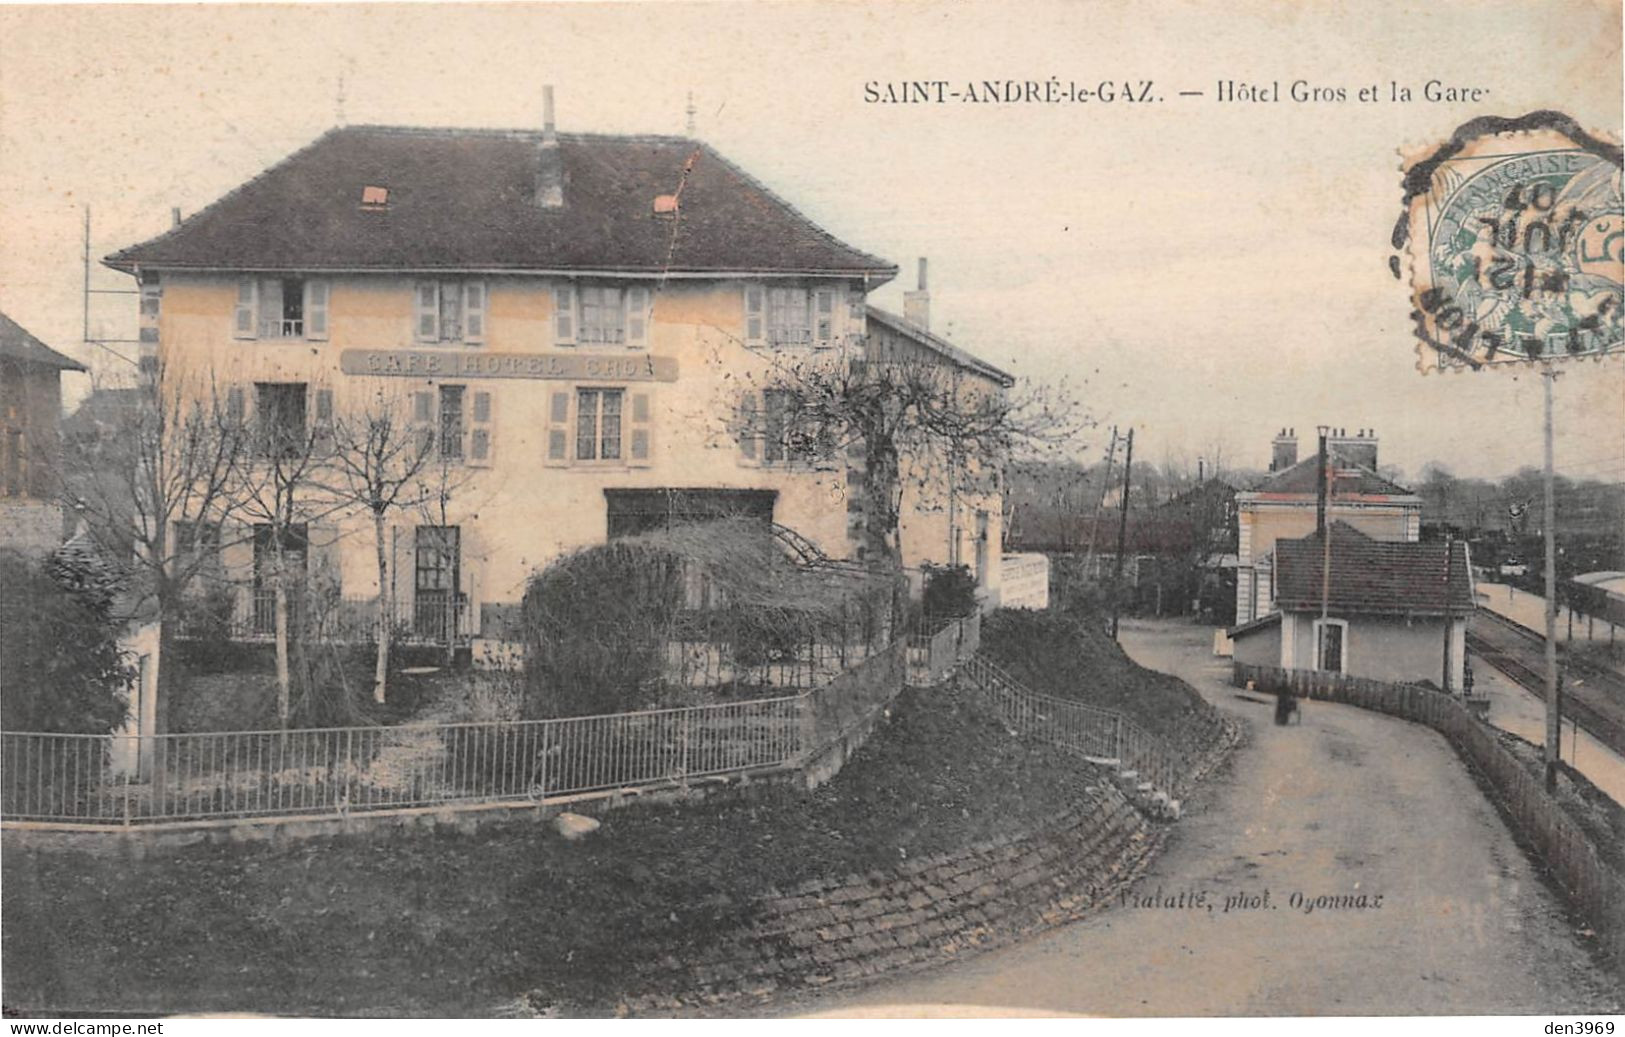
(1592, 695)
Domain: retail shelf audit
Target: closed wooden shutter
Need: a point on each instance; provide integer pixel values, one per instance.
(426, 312)
(824, 317)
(558, 429)
(755, 314)
(564, 315)
(641, 452)
(322, 441)
(637, 316)
(245, 320)
(474, 311)
(423, 419)
(316, 310)
(748, 432)
(480, 441)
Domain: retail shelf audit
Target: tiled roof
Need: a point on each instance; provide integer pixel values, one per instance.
(1302, 479)
(17, 344)
(1263, 622)
(1367, 575)
(940, 345)
(464, 200)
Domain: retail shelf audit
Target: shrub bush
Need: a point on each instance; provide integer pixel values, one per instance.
(60, 663)
(949, 591)
(670, 617)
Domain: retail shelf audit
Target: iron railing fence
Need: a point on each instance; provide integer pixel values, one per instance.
(328, 617)
(937, 647)
(127, 779)
(1093, 731)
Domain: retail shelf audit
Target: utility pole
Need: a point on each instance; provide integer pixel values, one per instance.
(1122, 533)
(1554, 707)
(1100, 504)
(1321, 496)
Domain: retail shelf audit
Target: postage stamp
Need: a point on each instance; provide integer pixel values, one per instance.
(1514, 239)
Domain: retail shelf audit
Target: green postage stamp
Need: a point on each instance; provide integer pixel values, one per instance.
(1514, 238)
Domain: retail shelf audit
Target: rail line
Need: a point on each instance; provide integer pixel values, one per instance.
(1592, 695)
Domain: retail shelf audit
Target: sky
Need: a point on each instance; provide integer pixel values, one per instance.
(1203, 272)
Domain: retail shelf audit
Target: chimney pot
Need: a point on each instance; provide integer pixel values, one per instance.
(175, 216)
(917, 304)
(549, 164)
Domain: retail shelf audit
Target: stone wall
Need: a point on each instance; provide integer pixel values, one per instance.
(922, 912)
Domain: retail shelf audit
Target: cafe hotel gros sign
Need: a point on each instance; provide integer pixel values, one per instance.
(573, 367)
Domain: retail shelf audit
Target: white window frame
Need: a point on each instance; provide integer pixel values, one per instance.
(1315, 629)
(782, 303)
(820, 316)
(563, 425)
(619, 460)
(631, 305)
(753, 437)
(429, 298)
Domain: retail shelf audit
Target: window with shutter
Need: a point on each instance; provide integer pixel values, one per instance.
(755, 314)
(236, 407)
(246, 319)
(451, 311)
(558, 428)
(451, 422)
(316, 310)
(473, 311)
(788, 319)
(479, 433)
(598, 424)
(775, 405)
(637, 315)
(271, 304)
(564, 315)
(426, 315)
(602, 315)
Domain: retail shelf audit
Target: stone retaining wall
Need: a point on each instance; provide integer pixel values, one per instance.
(920, 913)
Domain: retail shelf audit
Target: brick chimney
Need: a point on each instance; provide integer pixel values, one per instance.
(1284, 450)
(549, 164)
(917, 304)
(1358, 449)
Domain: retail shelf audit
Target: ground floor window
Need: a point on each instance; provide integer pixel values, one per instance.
(1331, 645)
(598, 424)
(275, 562)
(436, 576)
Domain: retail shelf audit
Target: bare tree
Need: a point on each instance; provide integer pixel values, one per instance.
(152, 479)
(381, 463)
(280, 486)
(908, 418)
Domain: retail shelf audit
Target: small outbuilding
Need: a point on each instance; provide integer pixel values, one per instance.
(1386, 610)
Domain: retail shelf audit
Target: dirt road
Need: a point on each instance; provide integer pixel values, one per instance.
(1349, 805)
